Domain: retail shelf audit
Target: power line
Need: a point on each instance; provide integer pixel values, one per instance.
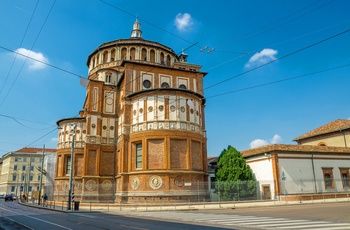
(19, 72)
(20, 123)
(24, 35)
(42, 62)
(41, 137)
(279, 81)
(245, 36)
(147, 22)
(277, 59)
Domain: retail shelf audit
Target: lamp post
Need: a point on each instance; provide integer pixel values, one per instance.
(71, 170)
(41, 175)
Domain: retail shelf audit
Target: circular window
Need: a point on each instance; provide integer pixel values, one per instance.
(84, 131)
(93, 126)
(165, 85)
(134, 112)
(147, 84)
(172, 108)
(150, 109)
(197, 113)
(182, 109)
(141, 110)
(191, 111)
(104, 127)
(161, 108)
(111, 128)
(182, 86)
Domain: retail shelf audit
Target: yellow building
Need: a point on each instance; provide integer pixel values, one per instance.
(141, 135)
(20, 171)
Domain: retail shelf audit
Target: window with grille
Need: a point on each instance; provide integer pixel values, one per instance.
(68, 165)
(139, 156)
(328, 178)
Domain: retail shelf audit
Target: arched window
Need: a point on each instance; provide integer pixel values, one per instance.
(168, 60)
(152, 56)
(132, 53)
(321, 144)
(113, 55)
(182, 86)
(105, 57)
(144, 54)
(162, 61)
(108, 78)
(123, 52)
(165, 85)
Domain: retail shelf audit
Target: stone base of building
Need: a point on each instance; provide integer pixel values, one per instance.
(305, 197)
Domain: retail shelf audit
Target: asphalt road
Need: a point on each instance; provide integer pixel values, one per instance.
(16, 216)
(330, 216)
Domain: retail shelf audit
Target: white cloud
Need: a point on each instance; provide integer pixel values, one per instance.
(276, 139)
(265, 56)
(183, 21)
(32, 65)
(259, 142)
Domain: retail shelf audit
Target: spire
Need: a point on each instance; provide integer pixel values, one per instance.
(136, 31)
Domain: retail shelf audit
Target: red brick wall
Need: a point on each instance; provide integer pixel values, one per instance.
(178, 154)
(155, 154)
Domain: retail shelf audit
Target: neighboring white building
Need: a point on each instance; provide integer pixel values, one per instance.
(320, 163)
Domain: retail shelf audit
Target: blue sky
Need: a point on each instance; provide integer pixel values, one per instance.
(276, 68)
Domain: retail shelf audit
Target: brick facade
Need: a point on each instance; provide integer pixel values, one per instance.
(141, 135)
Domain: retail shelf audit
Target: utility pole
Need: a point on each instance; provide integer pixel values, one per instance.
(41, 175)
(30, 166)
(71, 170)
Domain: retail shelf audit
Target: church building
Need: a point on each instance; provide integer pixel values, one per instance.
(141, 134)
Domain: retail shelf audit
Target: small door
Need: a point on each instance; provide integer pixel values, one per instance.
(266, 193)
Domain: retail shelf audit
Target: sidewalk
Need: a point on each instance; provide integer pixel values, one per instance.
(116, 207)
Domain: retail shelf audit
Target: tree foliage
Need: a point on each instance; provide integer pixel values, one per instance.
(234, 178)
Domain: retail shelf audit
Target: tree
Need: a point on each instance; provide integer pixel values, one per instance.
(234, 178)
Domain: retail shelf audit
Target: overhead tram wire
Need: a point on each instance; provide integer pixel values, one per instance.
(20, 123)
(147, 22)
(258, 67)
(20, 44)
(276, 44)
(245, 36)
(41, 137)
(277, 59)
(19, 72)
(42, 62)
(279, 81)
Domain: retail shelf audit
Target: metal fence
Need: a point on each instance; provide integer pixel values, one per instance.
(196, 192)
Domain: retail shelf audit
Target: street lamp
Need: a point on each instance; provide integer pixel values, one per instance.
(71, 170)
(41, 175)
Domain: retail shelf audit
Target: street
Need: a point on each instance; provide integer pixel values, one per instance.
(304, 216)
(16, 216)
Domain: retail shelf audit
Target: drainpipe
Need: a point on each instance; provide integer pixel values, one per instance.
(344, 138)
(313, 171)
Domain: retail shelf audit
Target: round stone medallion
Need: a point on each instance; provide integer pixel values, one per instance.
(135, 183)
(106, 185)
(155, 182)
(90, 185)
